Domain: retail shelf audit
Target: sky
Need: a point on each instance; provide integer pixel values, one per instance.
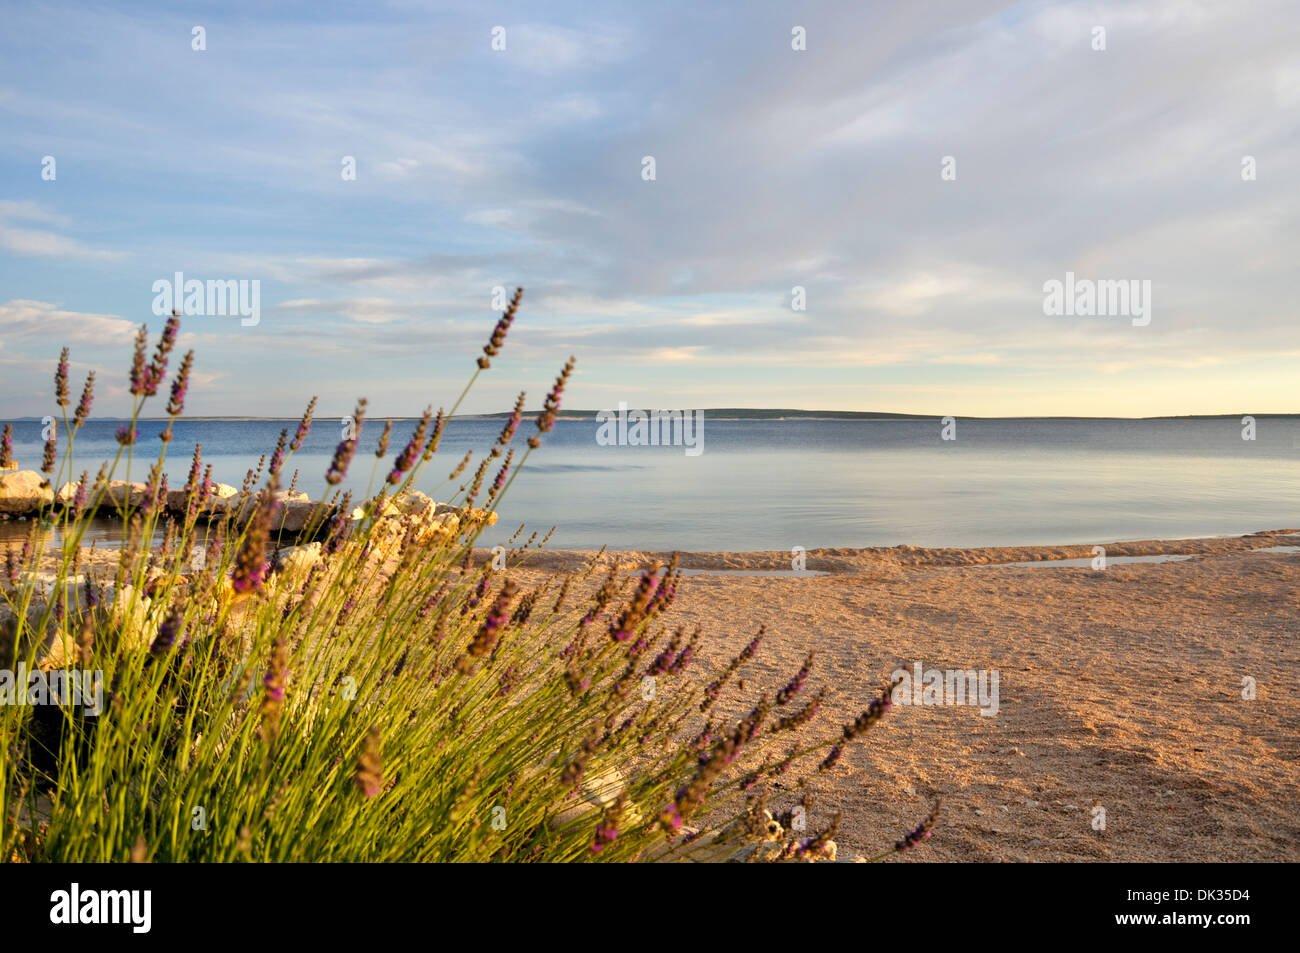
(920, 171)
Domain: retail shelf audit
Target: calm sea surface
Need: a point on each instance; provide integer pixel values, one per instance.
(775, 484)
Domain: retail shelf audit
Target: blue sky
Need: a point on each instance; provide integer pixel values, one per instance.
(775, 168)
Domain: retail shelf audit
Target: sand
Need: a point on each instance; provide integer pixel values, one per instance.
(1119, 688)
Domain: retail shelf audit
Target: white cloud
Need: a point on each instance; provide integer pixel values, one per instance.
(547, 49)
(28, 241)
(40, 242)
(364, 310)
(45, 321)
(401, 168)
(494, 218)
(30, 212)
(674, 354)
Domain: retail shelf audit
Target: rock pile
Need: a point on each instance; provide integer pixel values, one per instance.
(25, 493)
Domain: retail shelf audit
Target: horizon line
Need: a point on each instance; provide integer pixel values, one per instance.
(755, 413)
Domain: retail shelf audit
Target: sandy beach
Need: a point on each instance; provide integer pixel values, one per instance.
(1119, 688)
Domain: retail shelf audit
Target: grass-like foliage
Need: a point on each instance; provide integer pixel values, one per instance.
(380, 691)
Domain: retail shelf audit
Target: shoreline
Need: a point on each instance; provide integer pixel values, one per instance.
(842, 560)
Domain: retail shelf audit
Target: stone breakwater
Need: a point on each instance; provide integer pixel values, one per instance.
(409, 518)
(25, 494)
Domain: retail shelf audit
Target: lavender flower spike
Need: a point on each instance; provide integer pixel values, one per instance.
(347, 447)
(61, 380)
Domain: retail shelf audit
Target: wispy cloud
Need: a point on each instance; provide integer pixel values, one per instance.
(43, 242)
(44, 321)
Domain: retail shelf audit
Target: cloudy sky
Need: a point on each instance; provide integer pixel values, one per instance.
(774, 168)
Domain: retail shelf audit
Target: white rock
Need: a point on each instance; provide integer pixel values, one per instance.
(119, 492)
(23, 492)
(47, 582)
(217, 498)
(297, 562)
(415, 503)
(294, 516)
(131, 613)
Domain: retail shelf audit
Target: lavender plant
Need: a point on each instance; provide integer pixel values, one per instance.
(378, 692)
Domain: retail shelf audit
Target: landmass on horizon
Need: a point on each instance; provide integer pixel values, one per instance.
(736, 413)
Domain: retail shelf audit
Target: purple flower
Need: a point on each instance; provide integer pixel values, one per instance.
(277, 458)
(499, 483)
(250, 564)
(51, 447)
(157, 370)
(170, 634)
(83, 405)
(126, 435)
(340, 525)
(912, 839)
(671, 818)
(877, 710)
(193, 488)
(273, 686)
(801, 717)
(683, 659)
(139, 370)
(606, 834)
(406, 459)
(79, 500)
(182, 382)
(61, 380)
(920, 833)
(304, 427)
(435, 437)
(490, 630)
(512, 423)
(344, 451)
(345, 611)
(796, 683)
(635, 612)
(478, 593)
(155, 490)
(428, 604)
(499, 332)
(551, 408)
